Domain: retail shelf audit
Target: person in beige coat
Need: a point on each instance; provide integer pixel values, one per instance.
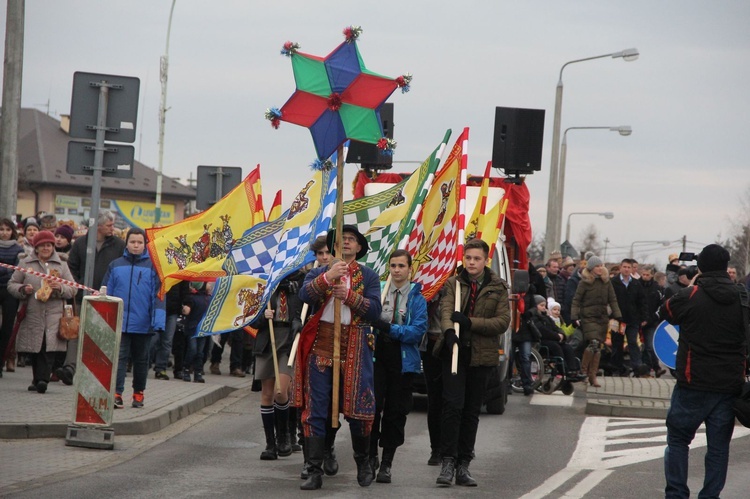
(37, 334)
(594, 303)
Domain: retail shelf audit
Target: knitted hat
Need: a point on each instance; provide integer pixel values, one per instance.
(551, 303)
(713, 257)
(593, 261)
(44, 236)
(29, 222)
(539, 299)
(65, 231)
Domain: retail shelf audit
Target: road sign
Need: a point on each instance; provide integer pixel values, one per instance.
(118, 160)
(98, 353)
(665, 343)
(215, 182)
(122, 108)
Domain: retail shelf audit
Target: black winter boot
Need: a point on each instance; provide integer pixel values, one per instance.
(463, 477)
(446, 472)
(293, 417)
(384, 474)
(314, 448)
(330, 464)
(281, 419)
(361, 446)
(266, 413)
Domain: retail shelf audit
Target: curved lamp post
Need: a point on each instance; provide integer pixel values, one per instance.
(622, 130)
(606, 214)
(163, 69)
(554, 219)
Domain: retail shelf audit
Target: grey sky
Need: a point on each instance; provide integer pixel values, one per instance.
(680, 172)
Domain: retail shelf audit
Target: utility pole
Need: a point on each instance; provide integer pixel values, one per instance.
(684, 243)
(11, 112)
(606, 242)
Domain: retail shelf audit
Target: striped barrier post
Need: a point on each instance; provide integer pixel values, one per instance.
(96, 372)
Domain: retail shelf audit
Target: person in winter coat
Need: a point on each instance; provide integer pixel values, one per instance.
(553, 337)
(30, 230)
(63, 238)
(283, 311)
(483, 315)
(589, 312)
(9, 254)
(197, 304)
(401, 326)
(133, 278)
(37, 334)
(654, 297)
(710, 371)
(108, 248)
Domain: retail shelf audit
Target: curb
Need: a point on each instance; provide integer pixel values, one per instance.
(628, 408)
(154, 422)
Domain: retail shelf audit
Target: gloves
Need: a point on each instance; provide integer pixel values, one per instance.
(576, 323)
(450, 338)
(382, 326)
(462, 320)
(296, 327)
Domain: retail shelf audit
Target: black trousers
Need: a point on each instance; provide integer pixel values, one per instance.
(462, 400)
(9, 306)
(433, 377)
(393, 397)
(41, 363)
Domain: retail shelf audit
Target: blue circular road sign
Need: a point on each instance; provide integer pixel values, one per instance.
(665, 343)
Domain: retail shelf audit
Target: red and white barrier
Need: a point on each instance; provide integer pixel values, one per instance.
(96, 372)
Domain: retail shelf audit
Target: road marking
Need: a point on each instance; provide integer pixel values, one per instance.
(600, 450)
(557, 399)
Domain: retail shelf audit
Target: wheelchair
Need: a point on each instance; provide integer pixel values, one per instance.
(555, 374)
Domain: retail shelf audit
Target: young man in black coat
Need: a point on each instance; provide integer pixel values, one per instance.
(632, 302)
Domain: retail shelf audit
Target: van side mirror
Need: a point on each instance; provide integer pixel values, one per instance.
(520, 282)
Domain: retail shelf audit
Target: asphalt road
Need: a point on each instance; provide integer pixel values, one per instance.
(543, 446)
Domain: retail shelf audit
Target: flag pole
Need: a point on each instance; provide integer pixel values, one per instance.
(295, 344)
(337, 301)
(277, 384)
(460, 252)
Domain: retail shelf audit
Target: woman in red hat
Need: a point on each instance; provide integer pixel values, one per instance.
(45, 300)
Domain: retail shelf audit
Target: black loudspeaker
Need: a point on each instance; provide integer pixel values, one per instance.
(368, 155)
(517, 147)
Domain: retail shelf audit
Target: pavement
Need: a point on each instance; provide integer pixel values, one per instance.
(25, 414)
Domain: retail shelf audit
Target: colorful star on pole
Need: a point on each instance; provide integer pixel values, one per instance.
(337, 97)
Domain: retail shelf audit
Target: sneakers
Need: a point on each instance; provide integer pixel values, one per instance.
(161, 375)
(463, 477)
(445, 479)
(119, 404)
(215, 368)
(198, 378)
(137, 399)
(186, 375)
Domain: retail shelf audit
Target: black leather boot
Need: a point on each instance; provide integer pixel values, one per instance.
(283, 447)
(384, 474)
(314, 447)
(270, 453)
(463, 477)
(361, 447)
(445, 479)
(305, 474)
(330, 464)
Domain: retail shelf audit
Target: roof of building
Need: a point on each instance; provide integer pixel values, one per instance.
(43, 155)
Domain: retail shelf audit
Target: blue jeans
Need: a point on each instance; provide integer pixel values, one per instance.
(194, 355)
(162, 343)
(524, 359)
(689, 409)
(649, 356)
(135, 345)
(618, 341)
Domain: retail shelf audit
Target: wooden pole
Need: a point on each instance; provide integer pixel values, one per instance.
(303, 316)
(277, 384)
(337, 301)
(456, 326)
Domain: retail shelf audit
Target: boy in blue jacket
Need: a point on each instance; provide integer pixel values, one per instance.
(133, 278)
(401, 326)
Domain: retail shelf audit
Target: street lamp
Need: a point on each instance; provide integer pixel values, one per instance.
(606, 214)
(163, 69)
(554, 219)
(663, 243)
(622, 130)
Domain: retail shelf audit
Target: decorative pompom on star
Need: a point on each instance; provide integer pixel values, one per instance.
(319, 165)
(386, 146)
(290, 48)
(351, 33)
(274, 116)
(404, 82)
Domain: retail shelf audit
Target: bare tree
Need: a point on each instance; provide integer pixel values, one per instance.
(738, 242)
(590, 240)
(536, 249)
